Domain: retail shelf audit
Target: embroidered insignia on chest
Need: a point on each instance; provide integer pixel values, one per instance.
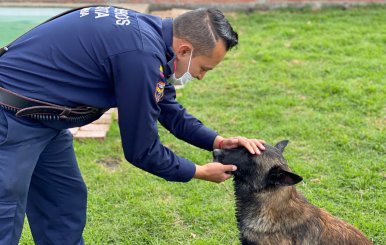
(159, 91)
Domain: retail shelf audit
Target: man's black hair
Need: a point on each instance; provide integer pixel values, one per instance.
(203, 27)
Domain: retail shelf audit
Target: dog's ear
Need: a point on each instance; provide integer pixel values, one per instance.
(281, 145)
(280, 177)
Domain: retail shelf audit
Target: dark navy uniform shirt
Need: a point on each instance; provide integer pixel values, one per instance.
(110, 57)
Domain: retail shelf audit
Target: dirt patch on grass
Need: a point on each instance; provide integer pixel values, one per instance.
(110, 163)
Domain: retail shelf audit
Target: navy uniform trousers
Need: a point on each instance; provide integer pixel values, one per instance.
(39, 176)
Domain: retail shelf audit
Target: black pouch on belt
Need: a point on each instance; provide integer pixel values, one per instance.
(51, 115)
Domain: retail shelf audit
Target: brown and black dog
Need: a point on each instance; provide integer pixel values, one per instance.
(270, 210)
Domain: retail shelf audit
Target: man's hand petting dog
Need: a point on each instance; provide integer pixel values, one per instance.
(214, 171)
(217, 172)
(254, 146)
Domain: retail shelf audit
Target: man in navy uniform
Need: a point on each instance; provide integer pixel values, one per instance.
(67, 72)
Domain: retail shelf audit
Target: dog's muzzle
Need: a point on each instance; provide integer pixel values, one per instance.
(218, 155)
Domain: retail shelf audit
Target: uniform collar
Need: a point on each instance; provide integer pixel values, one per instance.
(167, 34)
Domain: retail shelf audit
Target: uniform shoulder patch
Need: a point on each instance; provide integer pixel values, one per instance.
(159, 91)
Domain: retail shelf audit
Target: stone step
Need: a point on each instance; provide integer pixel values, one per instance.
(97, 129)
(173, 13)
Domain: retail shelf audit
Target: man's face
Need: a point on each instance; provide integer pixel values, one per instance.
(200, 64)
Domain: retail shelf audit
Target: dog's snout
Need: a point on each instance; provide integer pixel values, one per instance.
(217, 155)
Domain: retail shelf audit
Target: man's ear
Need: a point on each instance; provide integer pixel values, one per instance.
(181, 47)
(280, 177)
(281, 145)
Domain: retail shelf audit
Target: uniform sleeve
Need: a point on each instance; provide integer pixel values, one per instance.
(135, 76)
(181, 124)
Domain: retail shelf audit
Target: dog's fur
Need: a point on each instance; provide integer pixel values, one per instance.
(271, 211)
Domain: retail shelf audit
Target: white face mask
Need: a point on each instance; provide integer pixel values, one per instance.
(185, 78)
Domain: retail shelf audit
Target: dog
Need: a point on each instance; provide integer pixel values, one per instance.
(269, 209)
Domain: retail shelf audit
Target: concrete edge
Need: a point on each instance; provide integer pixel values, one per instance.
(265, 6)
(140, 7)
(229, 7)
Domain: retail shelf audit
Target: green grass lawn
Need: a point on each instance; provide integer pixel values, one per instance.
(315, 78)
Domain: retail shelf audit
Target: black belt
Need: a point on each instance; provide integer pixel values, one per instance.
(39, 110)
